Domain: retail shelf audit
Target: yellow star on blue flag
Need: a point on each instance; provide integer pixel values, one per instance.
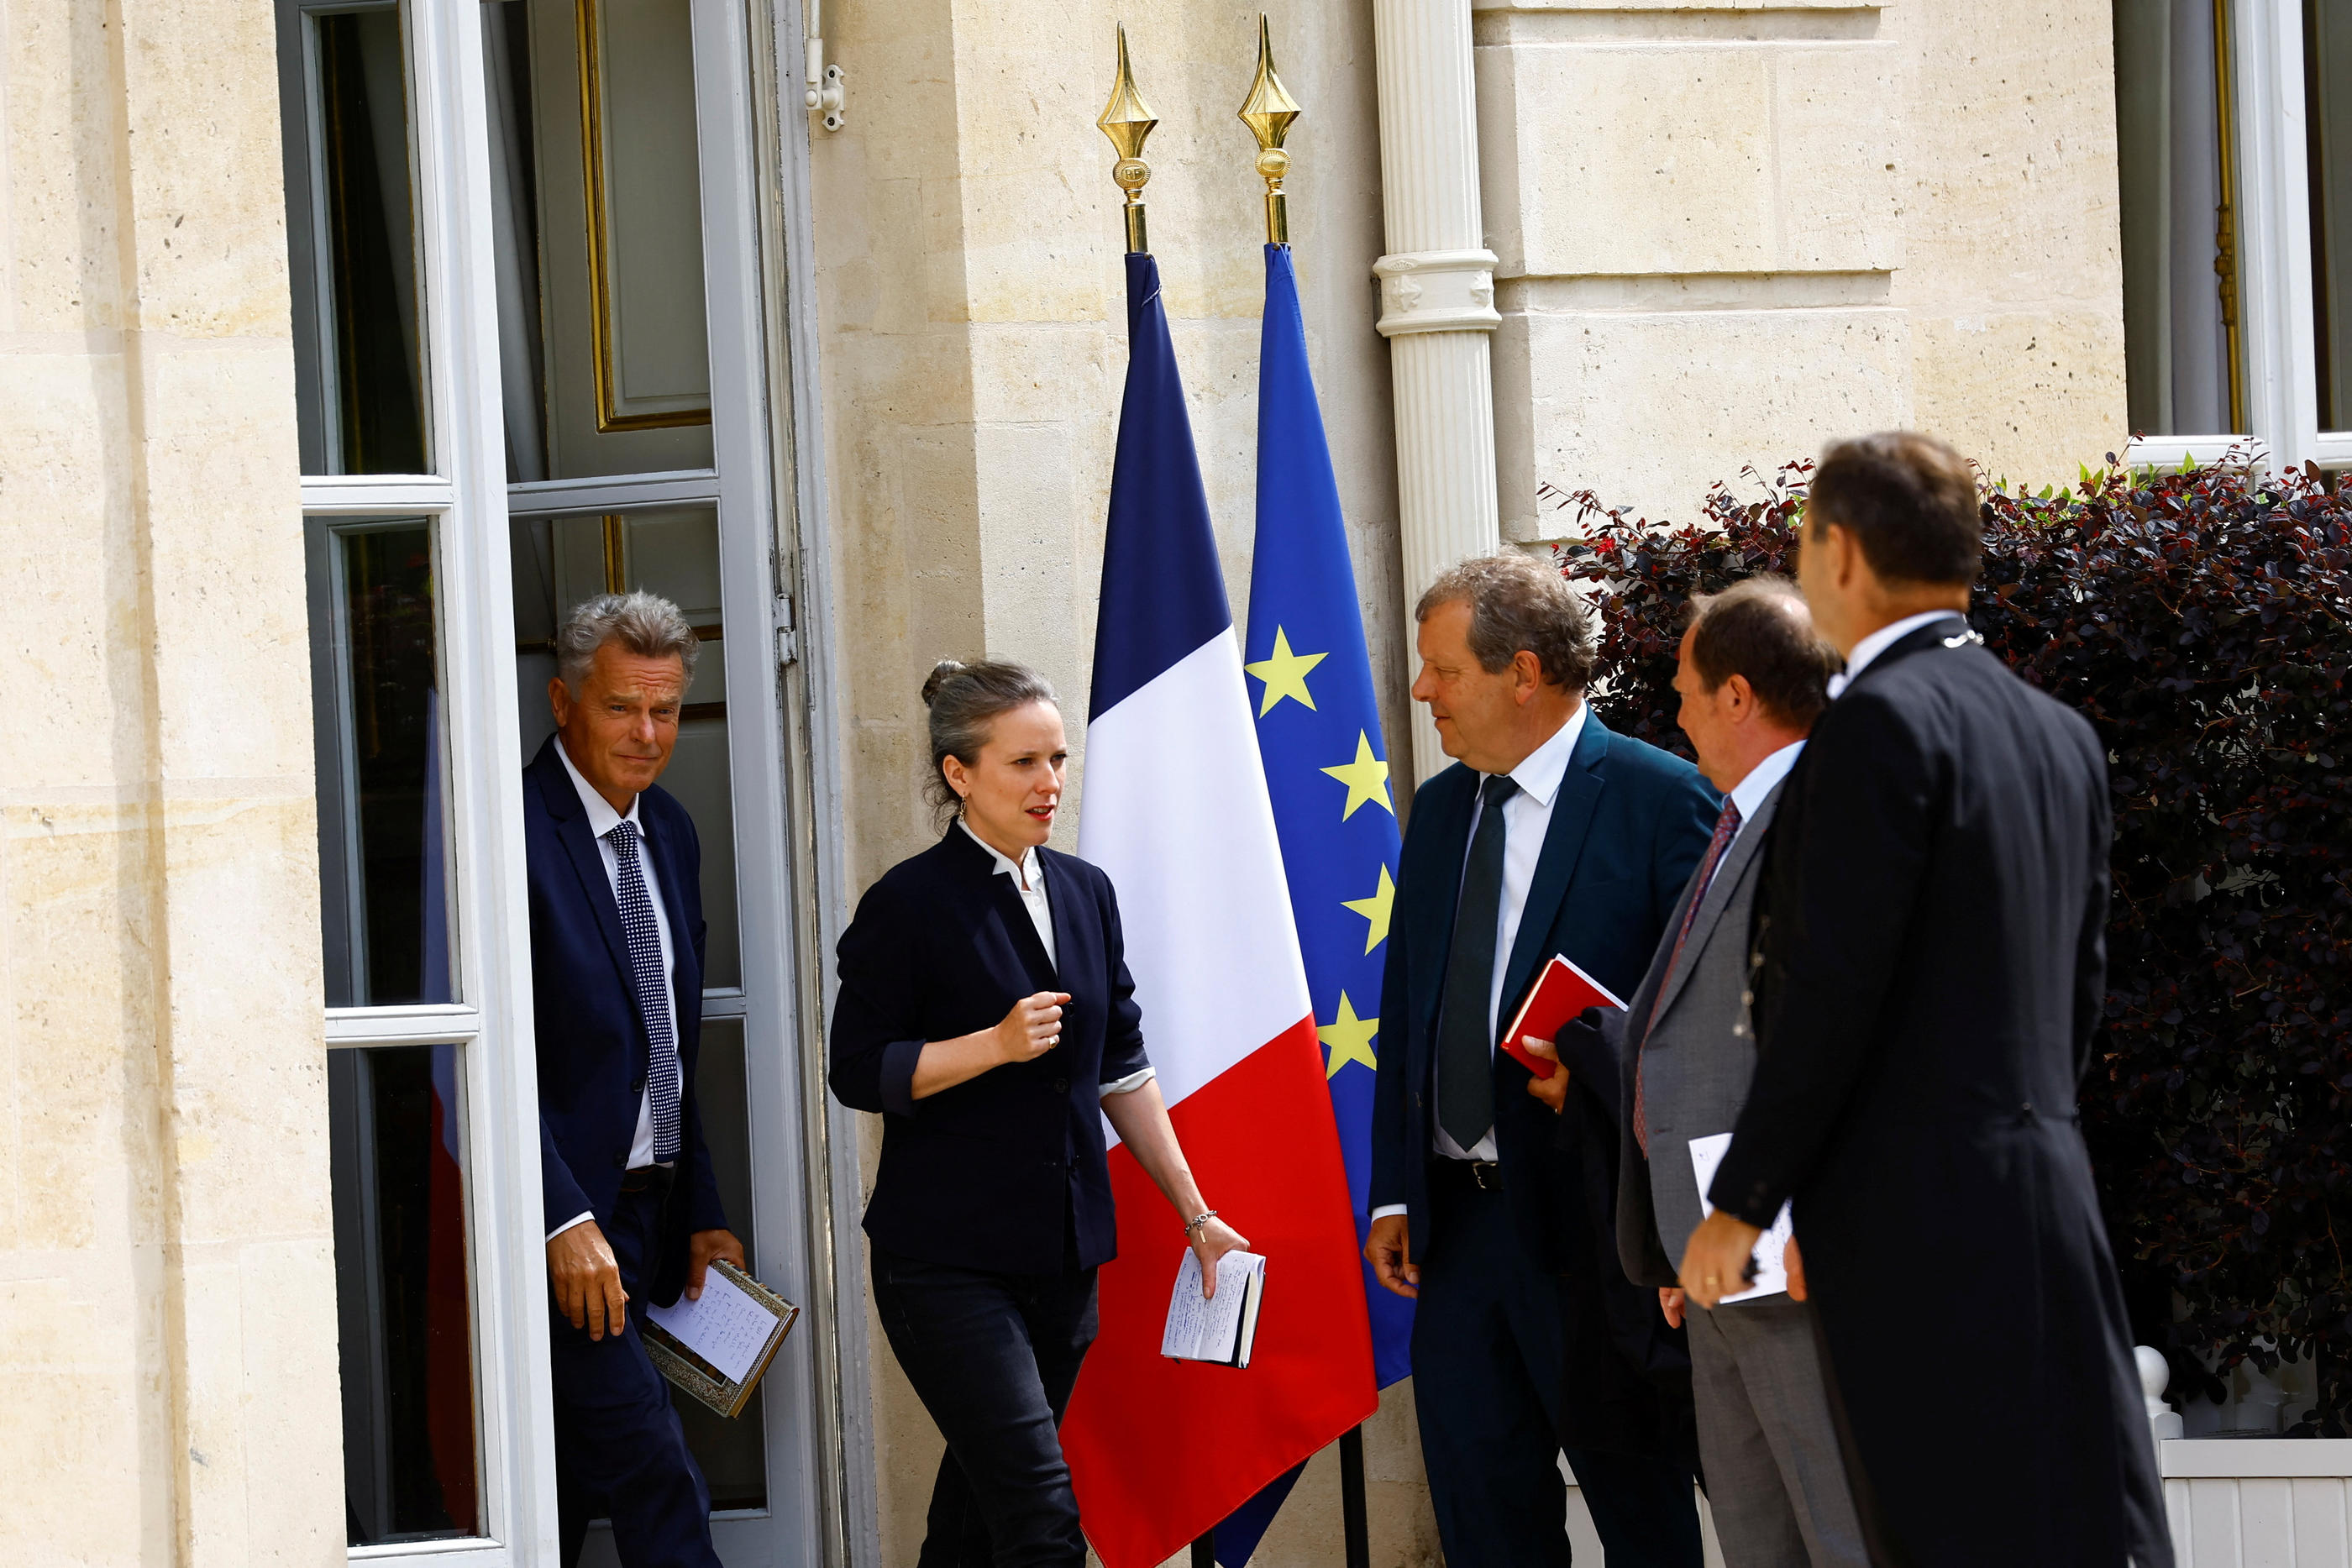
(1284, 673)
(1375, 909)
(1350, 1037)
(1366, 778)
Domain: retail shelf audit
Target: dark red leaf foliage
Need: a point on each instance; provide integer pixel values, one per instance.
(2203, 621)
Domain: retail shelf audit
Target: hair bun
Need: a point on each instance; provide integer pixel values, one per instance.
(941, 672)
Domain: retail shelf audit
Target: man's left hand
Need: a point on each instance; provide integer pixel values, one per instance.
(1552, 1091)
(705, 1246)
(1714, 1263)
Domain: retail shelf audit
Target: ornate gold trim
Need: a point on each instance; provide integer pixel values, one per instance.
(2225, 217)
(1268, 113)
(600, 304)
(617, 553)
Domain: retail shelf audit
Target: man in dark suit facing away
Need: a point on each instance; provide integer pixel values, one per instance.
(1552, 836)
(616, 947)
(1931, 970)
(1672, 1070)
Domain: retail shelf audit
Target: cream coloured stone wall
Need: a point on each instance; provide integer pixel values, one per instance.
(1729, 233)
(166, 1278)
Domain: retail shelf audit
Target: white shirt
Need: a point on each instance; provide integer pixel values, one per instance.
(1749, 792)
(602, 820)
(1526, 819)
(1028, 874)
(1877, 642)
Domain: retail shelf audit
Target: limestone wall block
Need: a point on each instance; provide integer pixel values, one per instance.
(1609, 153)
(1649, 409)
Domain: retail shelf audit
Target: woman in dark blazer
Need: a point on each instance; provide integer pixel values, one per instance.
(986, 1012)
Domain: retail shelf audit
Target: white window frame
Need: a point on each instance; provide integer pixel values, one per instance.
(464, 504)
(766, 444)
(2279, 361)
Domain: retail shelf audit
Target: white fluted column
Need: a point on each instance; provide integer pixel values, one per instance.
(1437, 299)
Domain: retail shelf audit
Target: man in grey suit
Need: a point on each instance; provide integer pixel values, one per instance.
(1674, 1067)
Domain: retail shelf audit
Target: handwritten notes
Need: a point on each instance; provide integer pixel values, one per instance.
(1222, 1330)
(725, 1328)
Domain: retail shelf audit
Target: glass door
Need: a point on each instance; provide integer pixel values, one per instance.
(532, 360)
(635, 459)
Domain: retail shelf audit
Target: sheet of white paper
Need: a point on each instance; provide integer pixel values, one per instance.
(1206, 1330)
(1771, 1274)
(725, 1328)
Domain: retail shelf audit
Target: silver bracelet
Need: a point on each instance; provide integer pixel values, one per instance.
(1198, 1219)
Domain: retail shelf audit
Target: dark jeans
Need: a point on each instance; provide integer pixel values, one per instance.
(1487, 1367)
(992, 1357)
(619, 1449)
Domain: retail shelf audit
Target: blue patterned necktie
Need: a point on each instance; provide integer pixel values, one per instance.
(653, 987)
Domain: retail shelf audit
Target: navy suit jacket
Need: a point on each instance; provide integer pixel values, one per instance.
(592, 1045)
(1004, 1172)
(1628, 827)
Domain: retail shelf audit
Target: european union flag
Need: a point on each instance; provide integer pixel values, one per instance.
(1319, 734)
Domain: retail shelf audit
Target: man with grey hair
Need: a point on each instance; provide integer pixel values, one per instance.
(1552, 837)
(616, 945)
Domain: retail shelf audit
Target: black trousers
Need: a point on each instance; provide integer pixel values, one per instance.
(1487, 1368)
(993, 1358)
(619, 1449)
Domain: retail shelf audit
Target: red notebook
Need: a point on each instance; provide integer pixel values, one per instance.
(1561, 992)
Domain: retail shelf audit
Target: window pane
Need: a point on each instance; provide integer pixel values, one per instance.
(384, 839)
(594, 173)
(733, 1454)
(2173, 152)
(402, 1303)
(559, 562)
(351, 228)
(2328, 67)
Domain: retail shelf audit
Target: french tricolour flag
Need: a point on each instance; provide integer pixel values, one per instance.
(1175, 809)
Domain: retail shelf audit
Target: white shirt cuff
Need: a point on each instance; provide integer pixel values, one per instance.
(1128, 1084)
(580, 1218)
(1384, 1210)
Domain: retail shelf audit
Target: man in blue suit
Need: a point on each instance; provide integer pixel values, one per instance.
(616, 945)
(1550, 836)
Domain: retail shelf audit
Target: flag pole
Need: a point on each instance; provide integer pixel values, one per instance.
(1268, 112)
(1127, 119)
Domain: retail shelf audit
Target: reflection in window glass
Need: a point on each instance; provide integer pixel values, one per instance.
(2328, 120)
(733, 1454)
(402, 1301)
(595, 179)
(351, 238)
(383, 845)
(559, 562)
(2179, 244)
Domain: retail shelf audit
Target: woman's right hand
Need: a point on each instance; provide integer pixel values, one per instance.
(1033, 1028)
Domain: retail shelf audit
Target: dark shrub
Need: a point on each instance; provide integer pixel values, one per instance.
(2203, 621)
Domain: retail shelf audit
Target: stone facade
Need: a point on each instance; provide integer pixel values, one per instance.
(167, 1332)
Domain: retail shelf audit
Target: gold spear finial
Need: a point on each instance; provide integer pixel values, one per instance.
(1127, 119)
(1268, 113)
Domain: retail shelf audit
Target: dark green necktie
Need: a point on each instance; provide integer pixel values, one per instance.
(1465, 1034)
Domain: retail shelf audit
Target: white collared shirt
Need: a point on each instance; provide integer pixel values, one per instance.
(602, 820)
(1762, 780)
(1877, 642)
(1526, 819)
(1028, 874)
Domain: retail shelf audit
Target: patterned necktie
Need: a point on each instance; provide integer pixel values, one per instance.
(1465, 1027)
(653, 988)
(1726, 826)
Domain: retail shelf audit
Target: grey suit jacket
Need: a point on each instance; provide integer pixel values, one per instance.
(1701, 1054)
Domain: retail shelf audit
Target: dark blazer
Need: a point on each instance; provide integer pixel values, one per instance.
(1932, 937)
(994, 1172)
(592, 1045)
(1628, 827)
